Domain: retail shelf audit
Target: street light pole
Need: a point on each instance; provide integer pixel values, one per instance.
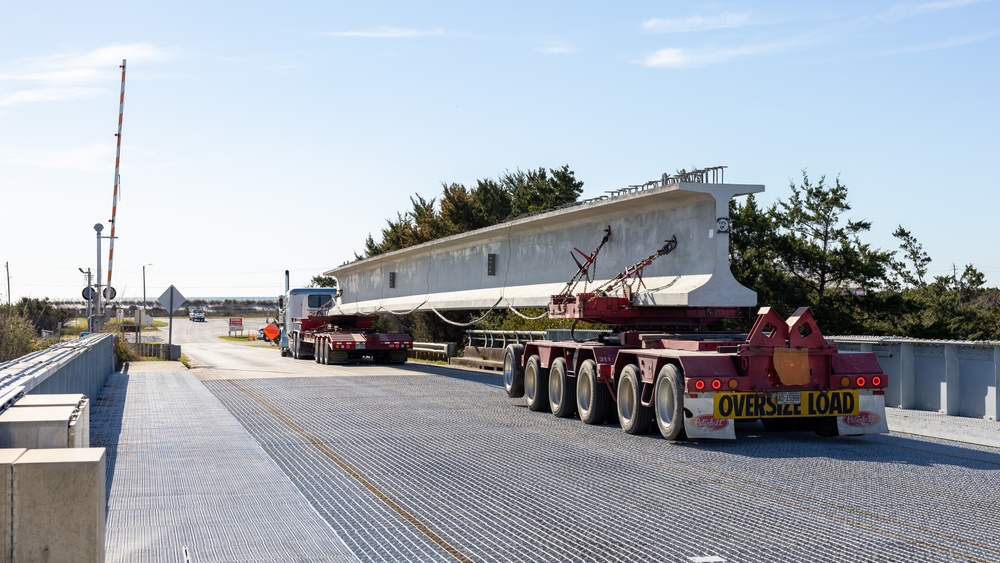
(143, 300)
(90, 301)
(99, 311)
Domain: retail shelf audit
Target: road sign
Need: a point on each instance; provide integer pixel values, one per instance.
(88, 293)
(172, 299)
(272, 332)
(235, 325)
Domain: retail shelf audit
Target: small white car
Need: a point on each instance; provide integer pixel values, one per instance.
(196, 315)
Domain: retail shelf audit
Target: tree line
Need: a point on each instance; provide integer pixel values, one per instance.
(804, 250)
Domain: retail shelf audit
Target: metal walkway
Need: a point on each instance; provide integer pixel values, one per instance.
(186, 482)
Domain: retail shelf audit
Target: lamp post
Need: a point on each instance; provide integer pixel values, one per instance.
(143, 300)
(90, 300)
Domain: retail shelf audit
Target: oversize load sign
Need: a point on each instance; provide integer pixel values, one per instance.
(813, 403)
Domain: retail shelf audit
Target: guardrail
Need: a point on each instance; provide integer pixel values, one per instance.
(76, 366)
(432, 351)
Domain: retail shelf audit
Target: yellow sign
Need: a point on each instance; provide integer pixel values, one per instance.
(841, 402)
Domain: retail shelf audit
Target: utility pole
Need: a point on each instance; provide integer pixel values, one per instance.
(7, 265)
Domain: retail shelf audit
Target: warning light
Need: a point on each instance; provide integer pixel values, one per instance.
(716, 384)
(845, 381)
(861, 382)
(700, 384)
(876, 381)
(733, 384)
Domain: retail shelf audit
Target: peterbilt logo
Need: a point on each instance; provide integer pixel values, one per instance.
(863, 419)
(710, 423)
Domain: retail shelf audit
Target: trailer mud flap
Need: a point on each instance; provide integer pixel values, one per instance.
(702, 423)
(869, 420)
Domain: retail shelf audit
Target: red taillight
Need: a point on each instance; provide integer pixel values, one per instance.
(860, 381)
(716, 384)
(876, 381)
(700, 384)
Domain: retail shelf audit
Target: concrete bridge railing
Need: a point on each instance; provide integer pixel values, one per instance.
(76, 366)
(953, 377)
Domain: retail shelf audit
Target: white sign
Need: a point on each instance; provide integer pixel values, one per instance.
(172, 299)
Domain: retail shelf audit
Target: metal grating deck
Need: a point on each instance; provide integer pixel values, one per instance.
(186, 480)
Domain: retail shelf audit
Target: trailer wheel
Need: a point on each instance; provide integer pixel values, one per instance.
(295, 345)
(324, 352)
(562, 390)
(635, 418)
(668, 398)
(318, 351)
(513, 373)
(826, 426)
(593, 400)
(536, 385)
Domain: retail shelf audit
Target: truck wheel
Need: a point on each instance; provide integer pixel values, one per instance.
(295, 345)
(513, 373)
(536, 385)
(562, 390)
(634, 417)
(318, 351)
(668, 398)
(593, 400)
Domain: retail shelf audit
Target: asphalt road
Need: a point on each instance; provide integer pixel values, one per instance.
(432, 463)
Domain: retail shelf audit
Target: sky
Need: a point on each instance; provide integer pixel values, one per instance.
(260, 137)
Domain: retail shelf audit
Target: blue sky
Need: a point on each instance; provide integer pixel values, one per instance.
(260, 137)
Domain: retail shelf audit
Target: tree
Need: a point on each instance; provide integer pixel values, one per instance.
(17, 335)
(322, 281)
(42, 314)
(824, 254)
(913, 252)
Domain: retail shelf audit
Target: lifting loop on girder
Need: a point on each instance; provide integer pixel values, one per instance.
(470, 323)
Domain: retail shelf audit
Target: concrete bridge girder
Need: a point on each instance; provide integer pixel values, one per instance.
(521, 263)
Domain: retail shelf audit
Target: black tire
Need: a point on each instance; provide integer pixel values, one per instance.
(295, 345)
(536, 385)
(593, 398)
(318, 351)
(668, 400)
(826, 426)
(513, 373)
(562, 390)
(633, 416)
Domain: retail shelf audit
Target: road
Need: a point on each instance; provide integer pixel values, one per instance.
(432, 463)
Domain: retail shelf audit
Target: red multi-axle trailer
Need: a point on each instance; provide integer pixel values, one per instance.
(696, 385)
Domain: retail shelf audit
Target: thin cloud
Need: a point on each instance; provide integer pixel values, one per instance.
(675, 58)
(697, 23)
(48, 95)
(558, 48)
(90, 158)
(902, 11)
(70, 75)
(386, 32)
(939, 45)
